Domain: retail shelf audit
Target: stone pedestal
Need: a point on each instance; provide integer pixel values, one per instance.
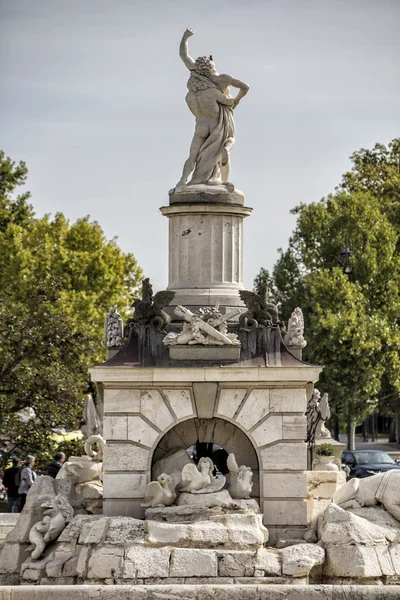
(206, 246)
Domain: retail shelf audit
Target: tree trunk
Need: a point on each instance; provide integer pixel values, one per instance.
(351, 433)
(392, 431)
(398, 424)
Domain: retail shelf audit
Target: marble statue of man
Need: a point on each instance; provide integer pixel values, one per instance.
(210, 102)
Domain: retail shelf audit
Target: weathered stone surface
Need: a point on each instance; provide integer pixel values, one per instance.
(74, 528)
(125, 457)
(12, 555)
(352, 561)
(180, 401)
(94, 532)
(105, 562)
(146, 562)
(153, 407)
(124, 485)
(115, 428)
(205, 395)
(255, 408)
(205, 500)
(141, 432)
(285, 456)
(298, 560)
(121, 401)
(268, 561)
(124, 531)
(7, 523)
(285, 512)
(287, 485)
(236, 564)
(288, 400)
(188, 514)
(340, 527)
(268, 431)
(187, 562)
(229, 401)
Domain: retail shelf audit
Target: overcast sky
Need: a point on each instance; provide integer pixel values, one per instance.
(92, 98)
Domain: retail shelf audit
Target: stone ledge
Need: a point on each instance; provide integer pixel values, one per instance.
(217, 194)
(260, 591)
(214, 353)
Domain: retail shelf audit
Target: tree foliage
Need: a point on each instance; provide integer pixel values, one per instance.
(57, 281)
(352, 321)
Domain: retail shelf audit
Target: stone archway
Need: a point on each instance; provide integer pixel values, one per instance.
(217, 431)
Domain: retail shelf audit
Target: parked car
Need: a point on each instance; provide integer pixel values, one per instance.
(364, 463)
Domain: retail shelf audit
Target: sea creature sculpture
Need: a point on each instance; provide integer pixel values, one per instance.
(148, 309)
(160, 492)
(259, 312)
(241, 479)
(57, 513)
(200, 479)
(207, 326)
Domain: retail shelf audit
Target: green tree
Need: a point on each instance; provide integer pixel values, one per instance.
(57, 281)
(352, 321)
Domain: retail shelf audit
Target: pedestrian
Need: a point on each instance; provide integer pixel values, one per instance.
(56, 464)
(11, 484)
(28, 476)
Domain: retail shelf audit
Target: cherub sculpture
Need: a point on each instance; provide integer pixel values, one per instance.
(200, 479)
(160, 492)
(57, 513)
(241, 479)
(148, 309)
(259, 312)
(295, 332)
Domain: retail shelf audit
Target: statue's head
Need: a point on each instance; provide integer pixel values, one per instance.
(205, 66)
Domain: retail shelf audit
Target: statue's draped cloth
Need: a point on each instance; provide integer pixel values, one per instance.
(209, 157)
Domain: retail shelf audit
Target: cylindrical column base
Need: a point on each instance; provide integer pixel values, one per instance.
(206, 253)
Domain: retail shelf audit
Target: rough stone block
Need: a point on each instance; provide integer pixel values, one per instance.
(323, 484)
(141, 432)
(54, 568)
(12, 556)
(288, 400)
(121, 401)
(125, 457)
(193, 563)
(269, 562)
(285, 512)
(82, 562)
(146, 562)
(115, 428)
(298, 560)
(235, 564)
(285, 456)
(73, 529)
(94, 532)
(254, 409)
(285, 485)
(125, 530)
(352, 561)
(124, 485)
(268, 431)
(153, 407)
(229, 401)
(180, 401)
(106, 562)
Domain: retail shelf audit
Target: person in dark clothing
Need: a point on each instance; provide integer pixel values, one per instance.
(9, 482)
(56, 464)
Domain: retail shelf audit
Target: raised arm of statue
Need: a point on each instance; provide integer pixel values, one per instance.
(183, 50)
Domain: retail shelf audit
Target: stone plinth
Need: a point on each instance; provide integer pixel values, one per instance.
(206, 251)
(205, 353)
(255, 412)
